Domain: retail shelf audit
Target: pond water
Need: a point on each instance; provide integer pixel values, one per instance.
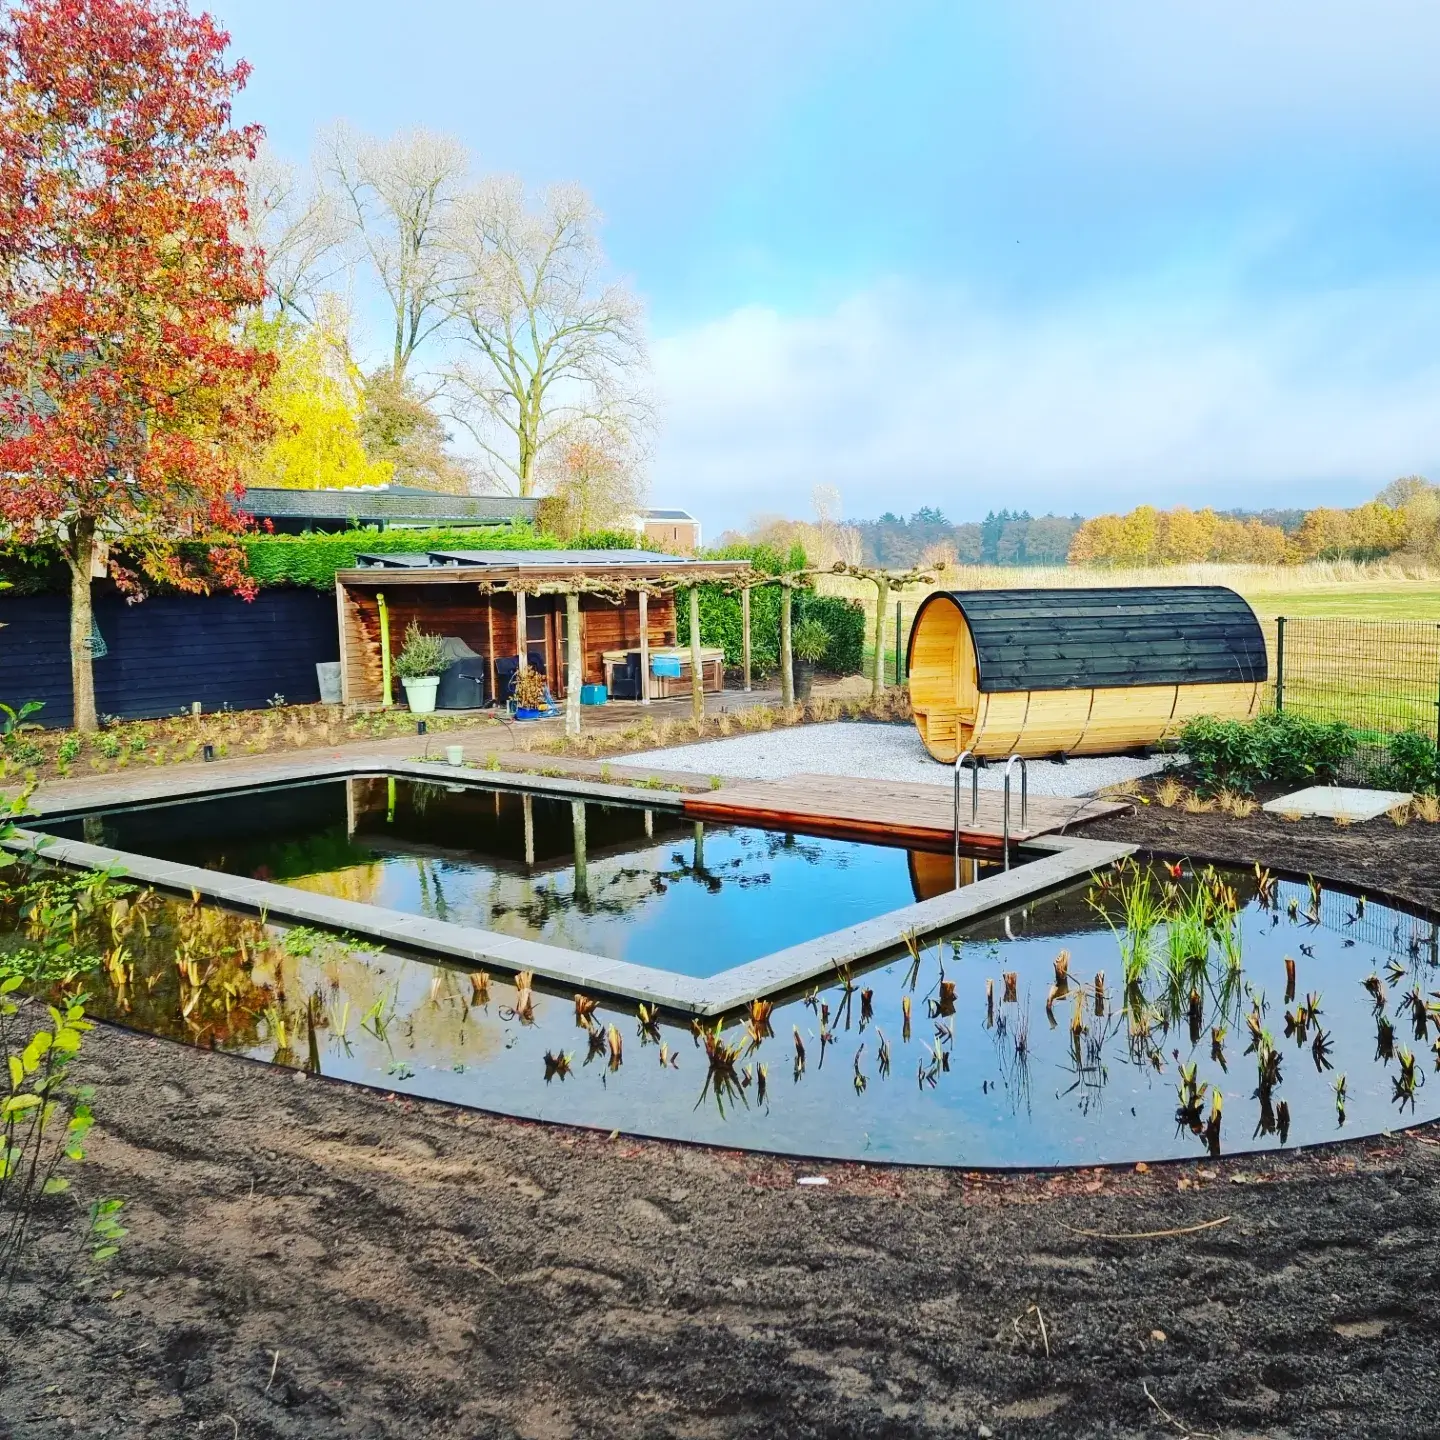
(987, 1075)
(623, 881)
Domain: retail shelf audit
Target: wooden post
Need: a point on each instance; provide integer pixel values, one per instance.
(644, 647)
(527, 812)
(882, 602)
(745, 634)
(574, 670)
(787, 654)
(697, 671)
(522, 639)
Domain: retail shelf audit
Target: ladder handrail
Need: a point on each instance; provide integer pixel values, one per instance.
(960, 760)
(1024, 802)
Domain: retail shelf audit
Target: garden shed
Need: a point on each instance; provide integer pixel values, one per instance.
(1079, 672)
(509, 610)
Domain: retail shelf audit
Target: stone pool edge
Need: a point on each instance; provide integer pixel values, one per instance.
(1062, 859)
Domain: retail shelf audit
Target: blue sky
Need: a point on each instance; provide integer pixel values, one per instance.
(1036, 254)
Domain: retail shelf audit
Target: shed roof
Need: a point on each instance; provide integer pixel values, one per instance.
(519, 559)
(1111, 636)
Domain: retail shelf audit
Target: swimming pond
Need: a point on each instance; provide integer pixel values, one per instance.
(1196, 1012)
(625, 881)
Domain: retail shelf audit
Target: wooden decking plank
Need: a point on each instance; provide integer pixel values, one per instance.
(893, 810)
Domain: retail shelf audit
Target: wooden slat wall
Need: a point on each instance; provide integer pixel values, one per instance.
(461, 610)
(169, 650)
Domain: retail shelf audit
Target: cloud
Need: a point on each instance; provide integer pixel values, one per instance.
(904, 397)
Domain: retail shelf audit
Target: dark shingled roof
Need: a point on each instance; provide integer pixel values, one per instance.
(390, 503)
(516, 559)
(1116, 636)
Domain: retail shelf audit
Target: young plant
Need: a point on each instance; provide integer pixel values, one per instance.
(422, 655)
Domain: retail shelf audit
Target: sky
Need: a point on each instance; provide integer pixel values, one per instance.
(1036, 255)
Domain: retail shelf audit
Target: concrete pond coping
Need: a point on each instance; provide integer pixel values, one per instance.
(1052, 862)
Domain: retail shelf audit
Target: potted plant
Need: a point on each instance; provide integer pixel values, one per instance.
(529, 694)
(419, 665)
(809, 643)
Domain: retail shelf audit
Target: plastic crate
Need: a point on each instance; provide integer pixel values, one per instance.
(593, 695)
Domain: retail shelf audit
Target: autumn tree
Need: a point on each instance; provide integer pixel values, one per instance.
(590, 482)
(314, 406)
(296, 224)
(551, 349)
(398, 428)
(122, 276)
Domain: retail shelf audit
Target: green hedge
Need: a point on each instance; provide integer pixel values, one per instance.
(313, 559)
(720, 614)
(1276, 747)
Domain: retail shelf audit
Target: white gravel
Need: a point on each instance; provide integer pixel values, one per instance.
(876, 752)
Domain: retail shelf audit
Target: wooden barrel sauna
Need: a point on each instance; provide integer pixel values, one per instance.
(1079, 672)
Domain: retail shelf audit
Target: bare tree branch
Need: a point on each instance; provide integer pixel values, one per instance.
(397, 198)
(298, 229)
(552, 352)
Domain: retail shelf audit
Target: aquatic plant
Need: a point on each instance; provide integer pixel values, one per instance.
(1098, 988)
(524, 1009)
(1406, 1081)
(1320, 1051)
(757, 1023)
(1282, 1121)
(1011, 980)
(762, 1083)
(1384, 1038)
(905, 1012)
(882, 1054)
(859, 1080)
(1062, 971)
(584, 1010)
(1217, 1047)
(557, 1066)
(1340, 1100)
(867, 1007)
(1190, 1104)
(1212, 1125)
(720, 1073)
(1376, 987)
(944, 1004)
(614, 1047)
(799, 1054)
(1289, 979)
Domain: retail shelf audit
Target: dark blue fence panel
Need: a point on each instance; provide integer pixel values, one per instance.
(166, 652)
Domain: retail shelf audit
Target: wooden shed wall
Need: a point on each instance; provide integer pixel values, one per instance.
(486, 623)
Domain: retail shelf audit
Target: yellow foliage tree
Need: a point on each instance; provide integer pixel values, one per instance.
(316, 439)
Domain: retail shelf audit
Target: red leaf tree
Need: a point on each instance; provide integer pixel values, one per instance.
(125, 380)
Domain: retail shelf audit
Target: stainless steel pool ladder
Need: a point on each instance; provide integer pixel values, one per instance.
(1010, 764)
(960, 760)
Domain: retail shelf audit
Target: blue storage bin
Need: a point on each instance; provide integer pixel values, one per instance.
(593, 695)
(667, 666)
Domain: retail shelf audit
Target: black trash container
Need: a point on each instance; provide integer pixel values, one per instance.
(464, 680)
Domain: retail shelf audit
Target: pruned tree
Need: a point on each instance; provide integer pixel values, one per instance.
(397, 200)
(298, 227)
(551, 350)
(123, 386)
(398, 428)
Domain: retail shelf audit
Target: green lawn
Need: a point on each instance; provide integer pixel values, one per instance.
(1394, 600)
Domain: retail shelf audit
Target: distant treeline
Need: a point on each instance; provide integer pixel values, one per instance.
(1001, 538)
(1404, 519)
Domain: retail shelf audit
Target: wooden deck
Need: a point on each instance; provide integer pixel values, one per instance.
(918, 816)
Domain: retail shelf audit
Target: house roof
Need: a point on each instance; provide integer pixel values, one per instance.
(385, 502)
(669, 515)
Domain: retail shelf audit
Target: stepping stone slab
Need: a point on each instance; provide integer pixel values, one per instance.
(1337, 802)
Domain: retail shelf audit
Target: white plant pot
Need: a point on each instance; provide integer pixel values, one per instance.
(420, 693)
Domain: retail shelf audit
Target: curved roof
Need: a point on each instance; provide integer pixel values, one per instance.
(1112, 636)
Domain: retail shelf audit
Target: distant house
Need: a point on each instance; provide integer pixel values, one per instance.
(292, 512)
(673, 529)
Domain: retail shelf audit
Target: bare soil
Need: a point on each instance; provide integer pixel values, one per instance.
(313, 1260)
(1378, 857)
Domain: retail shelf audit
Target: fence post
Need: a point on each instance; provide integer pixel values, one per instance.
(1437, 707)
(1279, 662)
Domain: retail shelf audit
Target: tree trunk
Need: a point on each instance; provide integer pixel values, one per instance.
(574, 670)
(697, 670)
(745, 635)
(644, 647)
(881, 605)
(787, 655)
(82, 622)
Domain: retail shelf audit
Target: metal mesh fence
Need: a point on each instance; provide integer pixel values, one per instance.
(1379, 676)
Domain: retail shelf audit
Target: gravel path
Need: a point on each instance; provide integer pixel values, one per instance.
(875, 752)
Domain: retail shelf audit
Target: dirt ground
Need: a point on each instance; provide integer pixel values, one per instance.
(308, 1259)
(1378, 856)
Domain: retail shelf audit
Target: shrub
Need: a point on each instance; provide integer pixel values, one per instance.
(422, 656)
(1276, 747)
(810, 641)
(1411, 763)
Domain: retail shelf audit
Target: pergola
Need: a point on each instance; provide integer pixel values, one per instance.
(500, 603)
